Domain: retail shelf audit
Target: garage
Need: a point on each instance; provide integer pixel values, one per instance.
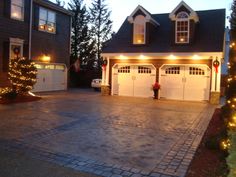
(133, 80)
(185, 82)
(50, 77)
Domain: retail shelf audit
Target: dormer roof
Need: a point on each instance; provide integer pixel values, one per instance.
(184, 7)
(148, 16)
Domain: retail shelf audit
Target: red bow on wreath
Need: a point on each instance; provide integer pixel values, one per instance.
(216, 64)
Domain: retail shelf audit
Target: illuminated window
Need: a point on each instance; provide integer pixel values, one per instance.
(182, 28)
(172, 70)
(196, 71)
(47, 20)
(17, 9)
(144, 70)
(124, 69)
(139, 30)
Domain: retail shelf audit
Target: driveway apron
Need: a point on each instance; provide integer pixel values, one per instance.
(107, 135)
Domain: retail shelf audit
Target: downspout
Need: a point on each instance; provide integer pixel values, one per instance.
(30, 28)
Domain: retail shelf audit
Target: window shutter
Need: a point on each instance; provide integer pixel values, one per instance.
(147, 35)
(192, 32)
(132, 34)
(6, 56)
(36, 17)
(26, 51)
(7, 8)
(172, 33)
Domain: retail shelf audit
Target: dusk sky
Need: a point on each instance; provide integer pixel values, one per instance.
(122, 8)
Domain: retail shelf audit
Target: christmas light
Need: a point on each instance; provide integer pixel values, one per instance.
(225, 144)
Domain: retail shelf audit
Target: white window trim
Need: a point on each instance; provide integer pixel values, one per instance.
(144, 41)
(176, 22)
(47, 20)
(18, 42)
(23, 11)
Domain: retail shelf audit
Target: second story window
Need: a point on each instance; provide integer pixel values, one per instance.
(17, 9)
(182, 28)
(139, 30)
(47, 20)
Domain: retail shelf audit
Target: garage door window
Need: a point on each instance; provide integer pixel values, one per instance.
(173, 70)
(60, 67)
(49, 67)
(144, 70)
(124, 69)
(196, 71)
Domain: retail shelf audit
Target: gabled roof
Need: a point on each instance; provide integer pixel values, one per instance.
(193, 15)
(148, 16)
(209, 36)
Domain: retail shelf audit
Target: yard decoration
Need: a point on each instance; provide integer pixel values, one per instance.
(22, 74)
(231, 95)
(216, 65)
(155, 89)
(104, 64)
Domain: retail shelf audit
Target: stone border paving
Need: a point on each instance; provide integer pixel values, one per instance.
(174, 164)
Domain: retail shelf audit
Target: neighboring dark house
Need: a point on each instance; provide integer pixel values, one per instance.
(41, 30)
(180, 50)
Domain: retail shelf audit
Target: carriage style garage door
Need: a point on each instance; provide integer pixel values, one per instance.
(133, 80)
(50, 77)
(185, 82)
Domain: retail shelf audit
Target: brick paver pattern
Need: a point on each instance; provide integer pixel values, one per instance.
(108, 136)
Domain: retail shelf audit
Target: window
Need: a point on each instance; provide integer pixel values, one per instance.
(47, 20)
(144, 70)
(182, 28)
(16, 43)
(173, 70)
(17, 9)
(139, 30)
(124, 69)
(196, 71)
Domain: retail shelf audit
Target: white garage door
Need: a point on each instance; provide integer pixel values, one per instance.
(133, 80)
(185, 82)
(50, 77)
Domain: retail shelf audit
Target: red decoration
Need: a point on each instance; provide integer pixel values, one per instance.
(156, 86)
(216, 65)
(104, 67)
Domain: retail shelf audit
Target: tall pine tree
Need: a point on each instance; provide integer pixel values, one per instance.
(101, 25)
(82, 45)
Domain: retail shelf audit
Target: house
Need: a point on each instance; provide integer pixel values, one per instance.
(41, 30)
(182, 50)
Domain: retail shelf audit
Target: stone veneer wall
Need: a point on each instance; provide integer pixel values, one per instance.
(215, 98)
(105, 90)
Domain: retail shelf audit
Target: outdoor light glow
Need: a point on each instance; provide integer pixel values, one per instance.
(142, 57)
(172, 57)
(122, 57)
(196, 57)
(45, 58)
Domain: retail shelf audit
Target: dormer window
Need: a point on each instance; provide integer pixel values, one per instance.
(182, 28)
(139, 30)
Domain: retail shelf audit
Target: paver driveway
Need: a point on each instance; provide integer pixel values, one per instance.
(105, 135)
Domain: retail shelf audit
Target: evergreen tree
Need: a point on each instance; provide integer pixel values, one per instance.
(101, 25)
(60, 3)
(82, 45)
(230, 107)
(22, 74)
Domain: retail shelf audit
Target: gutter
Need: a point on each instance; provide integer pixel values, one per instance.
(30, 28)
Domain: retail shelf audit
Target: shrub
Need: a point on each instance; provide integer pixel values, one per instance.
(8, 93)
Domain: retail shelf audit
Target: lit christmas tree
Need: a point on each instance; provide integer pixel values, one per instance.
(22, 74)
